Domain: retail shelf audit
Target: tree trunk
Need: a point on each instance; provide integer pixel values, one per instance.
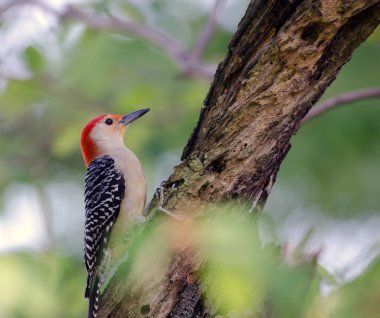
(280, 61)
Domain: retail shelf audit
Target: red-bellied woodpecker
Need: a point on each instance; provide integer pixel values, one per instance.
(115, 194)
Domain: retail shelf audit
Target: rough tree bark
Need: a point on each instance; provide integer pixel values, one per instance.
(280, 61)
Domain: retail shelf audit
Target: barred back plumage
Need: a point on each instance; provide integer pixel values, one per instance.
(104, 192)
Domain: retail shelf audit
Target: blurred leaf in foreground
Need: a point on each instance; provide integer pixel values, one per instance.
(361, 297)
(241, 277)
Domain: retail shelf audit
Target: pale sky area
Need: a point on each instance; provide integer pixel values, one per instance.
(344, 243)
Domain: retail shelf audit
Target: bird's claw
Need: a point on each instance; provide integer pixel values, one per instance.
(160, 197)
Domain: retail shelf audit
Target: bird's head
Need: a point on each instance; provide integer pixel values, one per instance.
(105, 132)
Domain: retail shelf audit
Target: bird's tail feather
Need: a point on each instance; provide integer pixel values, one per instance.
(93, 298)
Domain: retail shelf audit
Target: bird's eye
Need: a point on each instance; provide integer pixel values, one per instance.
(109, 121)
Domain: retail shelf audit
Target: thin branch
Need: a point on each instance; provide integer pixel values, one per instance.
(339, 100)
(181, 57)
(208, 31)
(170, 45)
(15, 3)
(178, 54)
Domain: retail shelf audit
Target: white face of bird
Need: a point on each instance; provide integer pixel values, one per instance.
(108, 129)
(105, 133)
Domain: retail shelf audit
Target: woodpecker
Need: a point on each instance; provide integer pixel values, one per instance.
(114, 195)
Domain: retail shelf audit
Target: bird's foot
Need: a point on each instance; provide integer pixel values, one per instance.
(160, 197)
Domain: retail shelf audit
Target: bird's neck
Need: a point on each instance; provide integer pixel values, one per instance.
(98, 146)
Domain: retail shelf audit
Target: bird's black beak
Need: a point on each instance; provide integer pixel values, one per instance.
(128, 118)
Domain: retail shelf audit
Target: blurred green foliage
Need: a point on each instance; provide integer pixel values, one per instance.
(234, 270)
(41, 285)
(333, 166)
(243, 278)
(360, 298)
(240, 276)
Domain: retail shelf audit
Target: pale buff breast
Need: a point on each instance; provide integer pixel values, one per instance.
(126, 163)
(132, 207)
(133, 204)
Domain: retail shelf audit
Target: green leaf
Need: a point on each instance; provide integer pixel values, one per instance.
(34, 59)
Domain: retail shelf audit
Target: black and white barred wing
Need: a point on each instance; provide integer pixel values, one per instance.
(104, 191)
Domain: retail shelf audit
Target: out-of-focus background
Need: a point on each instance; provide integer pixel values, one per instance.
(57, 73)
